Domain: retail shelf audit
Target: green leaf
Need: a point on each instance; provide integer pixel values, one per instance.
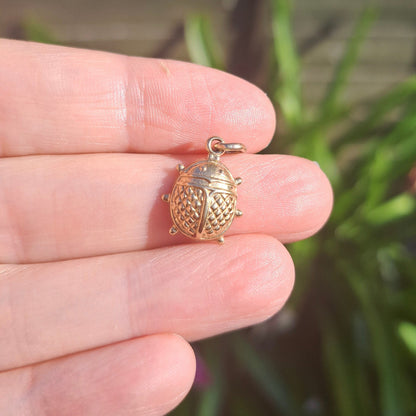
(37, 31)
(393, 156)
(347, 63)
(394, 209)
(377, 111)
(267, 378)
(303, 252)
(407, 332)
(211, 399)
(404, 303)
(392, 400)
(339, 370)
(202, 46)
(288, 94)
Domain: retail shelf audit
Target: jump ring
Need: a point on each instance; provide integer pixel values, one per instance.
(216, 148)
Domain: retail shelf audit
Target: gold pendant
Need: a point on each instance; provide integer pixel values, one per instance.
(204, 197)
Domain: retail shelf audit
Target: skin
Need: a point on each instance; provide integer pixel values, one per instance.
(97, 300)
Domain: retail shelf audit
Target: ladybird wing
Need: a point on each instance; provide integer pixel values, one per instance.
(220, 214)
(186, 208)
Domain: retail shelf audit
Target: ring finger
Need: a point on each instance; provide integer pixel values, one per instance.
(195, 290)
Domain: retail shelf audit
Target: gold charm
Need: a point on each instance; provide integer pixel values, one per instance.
(204, 197)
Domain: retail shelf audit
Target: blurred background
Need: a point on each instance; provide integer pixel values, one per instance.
(341, 77)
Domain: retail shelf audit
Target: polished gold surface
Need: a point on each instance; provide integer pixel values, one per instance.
(204, 197)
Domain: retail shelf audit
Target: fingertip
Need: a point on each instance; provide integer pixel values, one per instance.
(316, 201)
(245, 112)
(181, 359)
(173, 369)
(211, 102)
(297, 197)
(268, 279)
(327, 200)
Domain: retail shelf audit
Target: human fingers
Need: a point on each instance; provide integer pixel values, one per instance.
(196, 290)
(61, 207)
(64, 100)
(145, 376)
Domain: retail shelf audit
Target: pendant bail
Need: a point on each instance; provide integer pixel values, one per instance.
(218, 147)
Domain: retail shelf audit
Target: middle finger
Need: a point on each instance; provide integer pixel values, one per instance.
(62, 207)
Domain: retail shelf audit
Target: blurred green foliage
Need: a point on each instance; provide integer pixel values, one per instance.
(35, 30)
(351, 347)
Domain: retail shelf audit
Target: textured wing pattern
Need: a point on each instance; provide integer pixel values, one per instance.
(187, 204)
(220, 214)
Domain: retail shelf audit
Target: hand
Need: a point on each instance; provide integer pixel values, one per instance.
(92, 286)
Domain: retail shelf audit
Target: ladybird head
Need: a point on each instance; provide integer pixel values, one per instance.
(209, 169)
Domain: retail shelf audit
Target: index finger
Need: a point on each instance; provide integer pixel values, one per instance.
(63, 100)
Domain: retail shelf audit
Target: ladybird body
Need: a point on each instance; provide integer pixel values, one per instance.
(203, 199)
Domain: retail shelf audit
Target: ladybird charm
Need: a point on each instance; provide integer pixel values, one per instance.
(204, 197)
